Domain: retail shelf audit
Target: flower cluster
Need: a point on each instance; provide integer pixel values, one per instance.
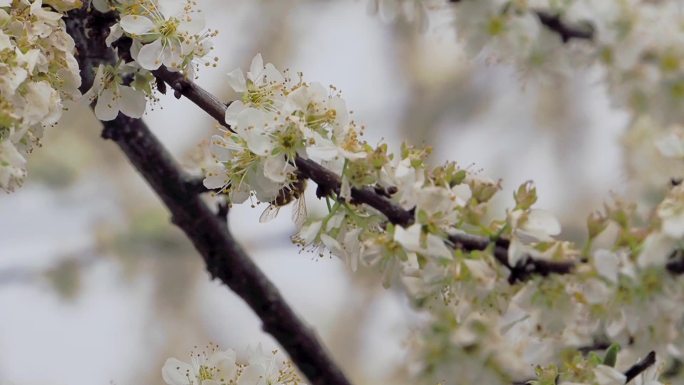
(212, 366)
(625, 292)
(414, 11)
(38, 75)
(162, 32)
(636, 42)
(275, 120)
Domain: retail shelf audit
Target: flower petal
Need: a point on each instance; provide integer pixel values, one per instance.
(232, 112)
(170, 8)
(176, 372)
(136, 25)
(236, 80)
(132, 102)
(256, 67)
(107, 107)
(150, 55)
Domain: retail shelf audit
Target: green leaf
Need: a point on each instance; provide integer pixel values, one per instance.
(611, 355)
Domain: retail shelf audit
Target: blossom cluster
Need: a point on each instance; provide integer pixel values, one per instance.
(168, 33)
(38, 75)
(486, 325)
(624, 291)
(213, 366)
(636, 43)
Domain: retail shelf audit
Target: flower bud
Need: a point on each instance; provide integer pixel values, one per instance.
(596, 223)
(526, 195)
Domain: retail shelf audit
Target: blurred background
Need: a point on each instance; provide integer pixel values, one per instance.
(97, 287)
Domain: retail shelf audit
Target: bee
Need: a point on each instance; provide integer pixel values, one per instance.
(292, 192)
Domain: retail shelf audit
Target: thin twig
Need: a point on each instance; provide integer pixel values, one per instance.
(554, 23)
(224, 257)
(640, 366)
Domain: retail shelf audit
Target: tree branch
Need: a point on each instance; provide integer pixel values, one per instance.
(328, 183)
(224, 257)
(554, 23)
(640, 366)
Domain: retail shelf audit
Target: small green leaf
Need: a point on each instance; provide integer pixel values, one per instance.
(611, 355)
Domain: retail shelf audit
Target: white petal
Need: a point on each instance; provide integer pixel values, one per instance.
(265, 189)
(516, 251)
(674, 226)
(150, 55)
(215, 177)
(410, 239)
(115, 32)
(222, 149)
(437, 248)
(351, 243)
(171, 55)
(171, 8)
(256, 67)
(236, 80)
(136, 25)
(132, 102)
(233, 111)
(606, 375)
(323, 149)
(5, 41)
(309, 232)
(101, 5)
(252, 127)
(224, 361)
(541, 224)
(276, 168)
(107, 106)
(271, 74)
(606, 264)
(176, 372)
(671, 146)
(91, 94)
(194, 25)
(333, 245)
(656, 249)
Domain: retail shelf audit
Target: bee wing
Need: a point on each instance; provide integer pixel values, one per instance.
(299, 212)
(269, 214)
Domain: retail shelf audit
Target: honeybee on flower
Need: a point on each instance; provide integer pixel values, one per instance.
(293, 192)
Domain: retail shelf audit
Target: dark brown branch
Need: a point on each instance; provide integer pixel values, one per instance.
(224, 258)
(196, 184)
(329, 183)
(630, 373)
(640, 366)
(554, 23)
(675, 263)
